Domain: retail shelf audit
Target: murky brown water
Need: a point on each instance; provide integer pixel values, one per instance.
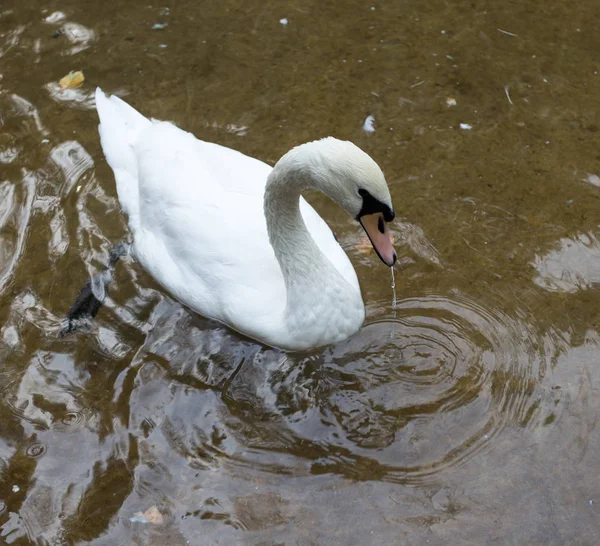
(467, 415)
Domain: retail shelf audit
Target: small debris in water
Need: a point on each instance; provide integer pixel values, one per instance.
(16, 489)
(450, 102)
(506, 32)
(73, 80)
(283, 21)
(152, 515)
(159, 26)
(593, 179)
(56, 17)
(466, 126)
(591, 502)
(368, 125)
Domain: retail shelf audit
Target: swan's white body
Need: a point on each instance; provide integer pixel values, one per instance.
(198, 216)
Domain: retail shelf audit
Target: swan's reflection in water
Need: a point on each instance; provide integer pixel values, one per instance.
(409, 397)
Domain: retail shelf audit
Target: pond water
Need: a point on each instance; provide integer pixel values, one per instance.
(466, 414)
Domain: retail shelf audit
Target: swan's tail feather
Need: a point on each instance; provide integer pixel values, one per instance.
(92, 295)
(120, 126)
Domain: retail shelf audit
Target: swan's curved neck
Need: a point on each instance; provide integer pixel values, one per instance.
(309, 275)
(296, 251)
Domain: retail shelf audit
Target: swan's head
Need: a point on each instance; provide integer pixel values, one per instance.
(351, 178)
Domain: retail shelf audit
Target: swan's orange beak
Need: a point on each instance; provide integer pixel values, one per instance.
(376, 228)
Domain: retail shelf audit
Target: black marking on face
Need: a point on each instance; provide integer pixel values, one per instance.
(372, 205)
(380, 225)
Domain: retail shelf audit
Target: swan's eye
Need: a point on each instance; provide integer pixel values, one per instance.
(380, 225)
(360, 192)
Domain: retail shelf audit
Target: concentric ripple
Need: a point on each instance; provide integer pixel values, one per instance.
(36, 450)
(72, 419)
(406, 398)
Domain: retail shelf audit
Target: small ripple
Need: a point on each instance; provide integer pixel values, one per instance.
(72, 419)
(36, 450)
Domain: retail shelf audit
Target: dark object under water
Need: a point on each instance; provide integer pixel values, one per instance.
(92, 295)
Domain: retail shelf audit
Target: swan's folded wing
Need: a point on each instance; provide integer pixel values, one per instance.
(203, 233)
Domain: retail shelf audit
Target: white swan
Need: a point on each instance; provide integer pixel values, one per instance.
(233, 239)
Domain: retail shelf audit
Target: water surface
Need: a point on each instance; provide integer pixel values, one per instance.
(467, 414)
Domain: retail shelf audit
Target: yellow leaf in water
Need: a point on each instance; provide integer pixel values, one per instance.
(72, 80)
